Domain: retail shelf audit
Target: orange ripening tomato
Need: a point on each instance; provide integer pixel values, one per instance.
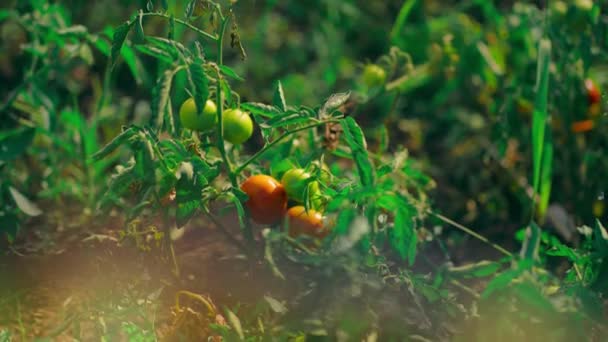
(305, 223)
(582, 126)
(267, 199)
(593, 92)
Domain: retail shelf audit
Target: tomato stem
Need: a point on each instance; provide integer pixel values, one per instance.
(279, 139)
(181, 22)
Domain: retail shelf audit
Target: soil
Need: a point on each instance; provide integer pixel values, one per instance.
(77, 288)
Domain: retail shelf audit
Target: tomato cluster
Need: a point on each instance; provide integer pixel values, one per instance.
(268, 200)
(238, 125)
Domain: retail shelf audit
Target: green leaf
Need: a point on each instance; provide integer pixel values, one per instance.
(14, 143)
(356, 140)
(200, 83)
(118, 39)
(260, 109)
(333, 102)
(128, 53)
(156, 52)
(529, 249)
(190, 9)
(278, 100)
(546, 173)
(188, 200)
(140, 36)
(404, 13)
(119, 140)
(539, 119)
(23, 203)
(160, 97)
(533, 297)
(600, 238)
(9, 224)
(230, 73)
(504, 279)
(285, 119)
(235, 323)
(403, 236)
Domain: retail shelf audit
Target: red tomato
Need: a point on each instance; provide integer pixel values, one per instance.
(593, 92)
(267, 199)
(305, 223)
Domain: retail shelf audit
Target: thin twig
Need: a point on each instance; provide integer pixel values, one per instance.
(472, 233)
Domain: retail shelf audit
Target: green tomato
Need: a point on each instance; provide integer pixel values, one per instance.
(191, 120)
(295, 182)
(373, 75)
(238, 126)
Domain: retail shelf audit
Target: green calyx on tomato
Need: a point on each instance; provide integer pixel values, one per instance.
(299, 187)
(238, 126)
(373, 75)
(192, 120)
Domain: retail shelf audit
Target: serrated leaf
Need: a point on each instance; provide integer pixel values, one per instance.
(160, 97)
(286, 119)
(155, 52)
(188, 200)
(174, 48)
(115, 143)
(190, 9)
(278, 100)
(403, 236)
(200, 83)
(118, 39)
(230, 73)
(333, 102)
(260, 109)
(356, 140)
(23, 203)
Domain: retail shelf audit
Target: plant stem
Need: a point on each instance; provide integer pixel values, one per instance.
(220, 106)
(277, 140)
(179, 21)
(226, 233)
(169, 243)
(472, 233)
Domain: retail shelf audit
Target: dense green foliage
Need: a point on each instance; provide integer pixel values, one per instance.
(454, 149)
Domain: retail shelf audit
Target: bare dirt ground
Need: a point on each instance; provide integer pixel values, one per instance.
(92, 285)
